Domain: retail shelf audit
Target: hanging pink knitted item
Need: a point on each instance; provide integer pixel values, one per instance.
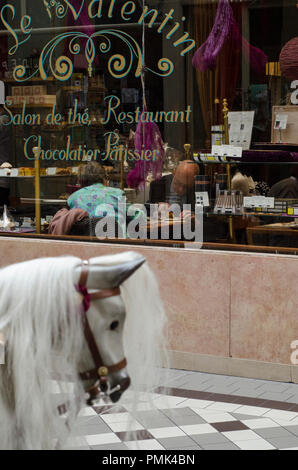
(82, 20)
(147, 137)
(205, 57)
(225, 26)
(256, 57)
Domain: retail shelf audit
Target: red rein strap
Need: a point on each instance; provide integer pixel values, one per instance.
(100, 370)
(103, 294)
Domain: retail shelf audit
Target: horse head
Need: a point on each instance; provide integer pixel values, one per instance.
(103, 360)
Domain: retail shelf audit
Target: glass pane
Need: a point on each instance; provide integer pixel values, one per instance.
(118, 116)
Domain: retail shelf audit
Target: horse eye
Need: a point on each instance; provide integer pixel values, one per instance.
(114, 325)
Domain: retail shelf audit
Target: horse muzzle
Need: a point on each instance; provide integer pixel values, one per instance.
(110, 384)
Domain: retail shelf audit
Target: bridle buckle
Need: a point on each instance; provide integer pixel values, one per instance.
(103, 371)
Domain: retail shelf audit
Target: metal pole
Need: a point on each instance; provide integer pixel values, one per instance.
(227, 140)
(37, 191)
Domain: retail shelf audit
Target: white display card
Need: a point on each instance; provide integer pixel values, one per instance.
(258, 201)
(216, 150)
(240, 128)
(51, 171)
(281, 121)
(202, 196)
(227, 151)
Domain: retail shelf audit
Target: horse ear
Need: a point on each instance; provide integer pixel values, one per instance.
(106, 276)
(122, 271)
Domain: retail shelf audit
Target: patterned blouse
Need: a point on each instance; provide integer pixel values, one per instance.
(102, 201)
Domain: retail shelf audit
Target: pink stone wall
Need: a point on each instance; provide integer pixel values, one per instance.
(264, 307)
(218, 303)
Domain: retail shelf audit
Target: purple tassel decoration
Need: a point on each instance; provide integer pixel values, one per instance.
(225, 24)
(83, 19)
(205, 57)
(153, 142)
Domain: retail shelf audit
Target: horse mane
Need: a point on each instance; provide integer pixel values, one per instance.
(37, 298)
(145, 331)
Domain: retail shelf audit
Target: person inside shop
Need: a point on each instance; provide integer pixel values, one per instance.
(92, 202)
(5, 141)
(179, 188)
(286, 188)
(176, 188)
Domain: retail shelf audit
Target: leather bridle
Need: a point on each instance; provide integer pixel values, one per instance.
(101, 371)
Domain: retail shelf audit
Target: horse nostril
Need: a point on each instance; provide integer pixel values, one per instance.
(103, 384)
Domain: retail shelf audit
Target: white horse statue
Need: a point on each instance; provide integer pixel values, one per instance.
(94, 324)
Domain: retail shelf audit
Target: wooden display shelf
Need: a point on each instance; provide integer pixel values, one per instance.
(34, 79)
(28, 200)
(41, 176)
(42, 105)
(49, 128)
(160, 243)
(256, 214)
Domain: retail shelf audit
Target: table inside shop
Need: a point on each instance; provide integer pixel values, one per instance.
(284, 231)
(170, 223)
(25, 208)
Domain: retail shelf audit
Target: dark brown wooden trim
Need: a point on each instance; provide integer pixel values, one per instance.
(158, 243)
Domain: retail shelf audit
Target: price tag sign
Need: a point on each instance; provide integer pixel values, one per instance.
(281, 122)
(227, 151)
(259, 201)
(269, 202)
(217, 150)
(202, 197)
(236, 152)
(51, 171)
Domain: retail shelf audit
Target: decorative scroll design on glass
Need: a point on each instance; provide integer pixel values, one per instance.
(59, 8)
(119, 66)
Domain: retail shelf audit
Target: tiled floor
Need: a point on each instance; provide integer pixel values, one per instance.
(194, 411)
